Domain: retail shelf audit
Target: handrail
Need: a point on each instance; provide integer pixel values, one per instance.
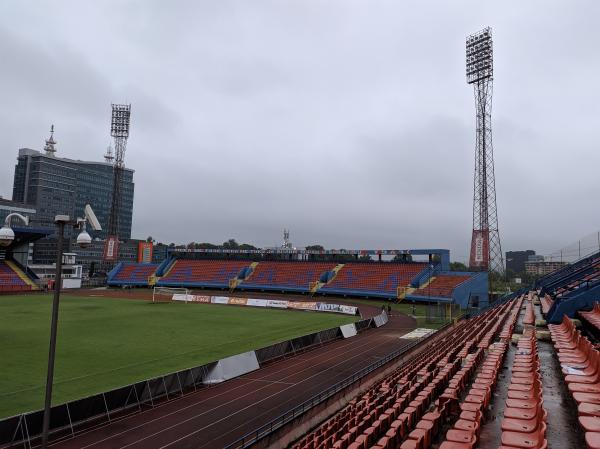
(267, 429)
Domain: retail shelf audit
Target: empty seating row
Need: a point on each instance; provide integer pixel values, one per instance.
(202, 273)
(441, 285)
(546, 302)
(10, 281)
(133, 274)
(405, 408)
(529, 317)
(524, 423)
(292, 275)
(465, 431)
(580, 365)
(383, 278)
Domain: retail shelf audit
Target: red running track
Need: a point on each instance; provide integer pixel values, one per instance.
(217, 416)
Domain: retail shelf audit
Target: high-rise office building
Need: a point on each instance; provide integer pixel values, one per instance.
(54, 186)
(515, 260)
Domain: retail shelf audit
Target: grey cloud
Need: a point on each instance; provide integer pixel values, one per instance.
(348, 121)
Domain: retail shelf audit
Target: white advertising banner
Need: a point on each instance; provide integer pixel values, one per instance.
(274, 303)
(339, 308)
(348, 330)
(256, 302)
(277, 303)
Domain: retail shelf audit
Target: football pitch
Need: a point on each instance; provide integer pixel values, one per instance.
(105, 343)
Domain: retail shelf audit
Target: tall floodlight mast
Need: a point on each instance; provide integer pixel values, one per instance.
(119, 130)
(486, 251)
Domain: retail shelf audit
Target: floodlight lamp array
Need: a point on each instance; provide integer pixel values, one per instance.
(479, 56)
(119, 125)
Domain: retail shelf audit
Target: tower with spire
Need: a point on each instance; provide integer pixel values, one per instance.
(49, 148)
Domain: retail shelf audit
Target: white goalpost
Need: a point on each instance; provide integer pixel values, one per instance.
(166, 293)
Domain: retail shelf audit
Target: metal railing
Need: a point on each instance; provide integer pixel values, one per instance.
(267, 429)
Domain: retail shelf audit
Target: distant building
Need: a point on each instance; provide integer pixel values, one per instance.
(53, 185)
(515, 260)
(71, 272)
(91, 256)
(541, 267)
(8, 207)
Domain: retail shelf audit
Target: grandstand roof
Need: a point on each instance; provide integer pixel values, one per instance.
(24, 235)
(359, 252)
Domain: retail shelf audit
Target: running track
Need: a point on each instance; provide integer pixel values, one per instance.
(214, 417)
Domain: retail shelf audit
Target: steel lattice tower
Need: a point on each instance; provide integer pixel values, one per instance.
(486, 251)
(119, 130)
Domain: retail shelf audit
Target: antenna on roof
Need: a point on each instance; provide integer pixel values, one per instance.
(108, 157)
(286, 239)
(50, 143)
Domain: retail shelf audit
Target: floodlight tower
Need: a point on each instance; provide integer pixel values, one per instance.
(486, 251)
(119, 130)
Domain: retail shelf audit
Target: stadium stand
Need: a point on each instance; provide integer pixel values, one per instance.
(441, 285)
(580, 364)
(389, 280)
(132, 274)
(570, 289)
(375, 279)
(11, 280)
(292, 276)
(431, 394)
(202, 273)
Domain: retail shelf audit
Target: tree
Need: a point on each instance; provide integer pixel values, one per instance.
(458, 266)
(150, 239)
(247, 246)
(231, 244)
(315, 248)
(402, 258)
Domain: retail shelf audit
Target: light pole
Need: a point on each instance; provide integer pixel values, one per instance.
(7, 235)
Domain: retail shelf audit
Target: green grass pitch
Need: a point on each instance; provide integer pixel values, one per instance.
(106, 343)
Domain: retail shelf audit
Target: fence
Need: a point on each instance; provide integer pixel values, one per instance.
(264, 431)
(441, 312)
(21, 430)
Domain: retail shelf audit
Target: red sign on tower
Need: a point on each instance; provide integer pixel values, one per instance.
(111, 249)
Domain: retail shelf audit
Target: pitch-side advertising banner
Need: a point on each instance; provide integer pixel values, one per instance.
(339, 308)
(302, 305)
(277, 303)
(273, 303)
(191, 298)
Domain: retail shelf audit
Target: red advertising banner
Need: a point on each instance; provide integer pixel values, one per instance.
(111, 249)
(144, 252)
(480, 250)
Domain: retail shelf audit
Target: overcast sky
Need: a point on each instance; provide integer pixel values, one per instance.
(349, 122)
